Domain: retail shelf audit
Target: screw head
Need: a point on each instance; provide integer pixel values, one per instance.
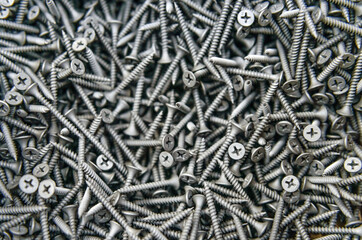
(304, 159)
(236, 151)
(187, 177)
(348, 60)
(77, 67)
(269, 132)
(28, 183)
(258, 154)
(41, 170)
(107, 116)
(189, 79)
(264, 17)
(248, 180)
(181, 155)
(316, 168)
(286, 167)
(276, 8)
(312, 133)
(294, 146)
(22, 81)
(168, 142)
(46, 188)
(238, 82)
(291, 197)
(33, 13)
(291, 86)
(166, 159)
(103, 216)
(13, 98)
(246, 18)
(290, 183)
(4, 109)
(284, 127)
(30, 153)
(79, 44)
(352, 164)
(19, 230)
(89, 35)
(324, 56)
(103, 163)
(336, 83)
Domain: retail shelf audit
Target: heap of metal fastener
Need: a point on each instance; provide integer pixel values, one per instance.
(180, 119)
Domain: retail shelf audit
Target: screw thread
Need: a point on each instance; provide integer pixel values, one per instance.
(252, 74)
(201, 10)
(277, 219)
(222, 190)
(329, 230)
(145, 186)
(14, 222)
(163, 201)
(254, 138)
(9, 140)
(140, 123)
(214, 105)
(68, 45)
(135, 207)
(134, 19)
(163, 25)
(302, 57)
(96, 68)
(297, 212)
(279, 33)
(19, 26)
(219, 28)
(298, 33)
(268, 96)
(213, 213)
(356, 75)
(330, 68)
(230, 23)
(219, 154)
(91, 85)
(342, 25)
(324, 150)
(273, 174)
(10, 64)
(205, 46)
(187, 227)
(270, 193)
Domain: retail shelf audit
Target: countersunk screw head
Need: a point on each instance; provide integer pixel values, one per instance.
(28, 183)
(41, 170)
(348, 142)
(189, 79)
(352, 164)
(248, 180)
(168, 142)
(304, 159)
(312, 133)
(4, 109)
(284, 127)
(46, 188)
(291, 86)
(90, 35)
(22, 81)
(236, 151)
(13, 98)
(291, 197)
(18, 231)
(246, 18)
(348, 60)
(77, 67)
(30, 153)
(324, 56)
(264, 17)
(166, 159)
(276, 8)
(294, 146)
(320, 99)
(102, 216)
(107, 116)
(336, 83)
(103, 163)
(286, 168)
(316, 168)
(290, 183)
(258, 154)
(181, 154)
(238, 82)
(79, 44)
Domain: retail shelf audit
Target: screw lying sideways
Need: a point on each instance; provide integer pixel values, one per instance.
(235, 119)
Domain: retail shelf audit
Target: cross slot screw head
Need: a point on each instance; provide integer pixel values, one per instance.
(336, 83)
(13, 98)
(246, 18)
(41, 170)
(166, 159)
(22, 81)
(352, 164)
(290, 183)
(46, 188)
(28, 184)
(236, 151)
(103, 163)
(4, 109)
(312, 133)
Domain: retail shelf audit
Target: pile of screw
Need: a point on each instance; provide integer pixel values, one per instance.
(184, 119)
